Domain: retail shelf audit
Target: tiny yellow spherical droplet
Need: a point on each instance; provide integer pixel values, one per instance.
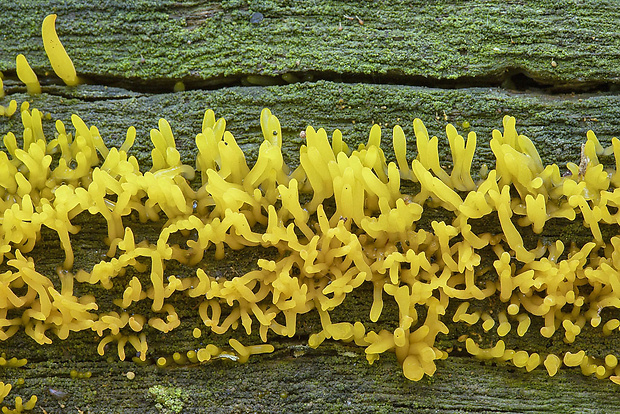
(179, 86)
(197, 333)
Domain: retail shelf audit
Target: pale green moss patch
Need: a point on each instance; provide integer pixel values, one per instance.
(169, 399)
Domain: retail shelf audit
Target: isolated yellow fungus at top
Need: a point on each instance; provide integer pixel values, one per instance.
(27, 75)
(60, 60)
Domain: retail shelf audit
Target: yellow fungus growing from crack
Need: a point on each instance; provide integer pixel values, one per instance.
(338, 222)
(552, 364)
(20, 405)
(192, 356)
(532, 362)
(524, 324)
(8, 111)
(574, 359)
(520, 358)
(610, 326)
(400, 150)
(12, 362)
(5, 389)
(205, 354)
(462, 156)
(461, 315)
(162, 362)
(27, 75)
(497, 351)
(504, 325)
(487, 322)
(27, 406)
(571, 330)
(60, 60)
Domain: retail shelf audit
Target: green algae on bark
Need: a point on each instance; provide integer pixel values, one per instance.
(215, 42)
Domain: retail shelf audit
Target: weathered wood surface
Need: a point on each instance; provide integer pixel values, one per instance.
(207, 42)
(335, 377)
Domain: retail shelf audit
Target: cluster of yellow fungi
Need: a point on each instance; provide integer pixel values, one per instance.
(339, 220)
(5, 389)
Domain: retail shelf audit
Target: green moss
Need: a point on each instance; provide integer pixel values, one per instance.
(169, 399)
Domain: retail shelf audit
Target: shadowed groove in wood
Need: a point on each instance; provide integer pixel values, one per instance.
(515, 80)
(569, 45)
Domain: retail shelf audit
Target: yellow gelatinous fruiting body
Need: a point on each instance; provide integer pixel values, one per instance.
(27, 75)
(60, 60)
(333, 255)
(339, 222)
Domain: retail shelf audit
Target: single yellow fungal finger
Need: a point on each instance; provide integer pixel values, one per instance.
(29, 405)
(4, 390)
(60, 60)
(162, 362)
(27, 75)
(260, 349)
(532, 362)
(129, 140)
(520, 358)
(552, 364)
(572, 360)
(192, 356)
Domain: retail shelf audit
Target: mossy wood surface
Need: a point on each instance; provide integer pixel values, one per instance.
(106, 43)
(208, 42)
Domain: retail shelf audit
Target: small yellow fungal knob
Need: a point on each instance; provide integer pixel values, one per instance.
(4, 390)
(179, 86)
(611, 361)
(572, 360)
(27, 75)
(162, 362)
(191, 355)
(60, 60)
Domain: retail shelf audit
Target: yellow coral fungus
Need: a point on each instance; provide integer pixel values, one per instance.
(60, 60)
(27, 75)
(337, 223)
(331, 250)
